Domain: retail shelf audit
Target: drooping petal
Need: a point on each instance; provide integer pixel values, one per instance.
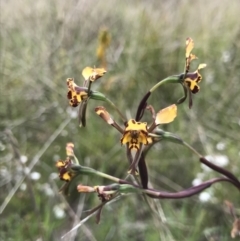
(166, 115)
(182, 99)
(82, 113)
(133, 167)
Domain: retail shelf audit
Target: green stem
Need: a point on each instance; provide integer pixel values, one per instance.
(104, 175)
(99, 96)
(192, 149)
(90, 171)
(87, 171)
(115, 107)
(163, 135)
(76, 159)
(170, 79)
(169, 136)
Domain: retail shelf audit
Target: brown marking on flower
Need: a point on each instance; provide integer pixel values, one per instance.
(63, 168)
(101, 194)
(75, 93)
(192, 79)
(101, 111)
(134, 134)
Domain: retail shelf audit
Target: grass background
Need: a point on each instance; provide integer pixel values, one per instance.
(45, 42)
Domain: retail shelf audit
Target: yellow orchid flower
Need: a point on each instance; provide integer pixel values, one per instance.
(192, 79)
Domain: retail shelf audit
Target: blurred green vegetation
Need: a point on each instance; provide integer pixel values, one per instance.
(45, 42)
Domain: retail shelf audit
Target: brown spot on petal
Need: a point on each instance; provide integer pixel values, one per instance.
(195, 89)
(69, 95)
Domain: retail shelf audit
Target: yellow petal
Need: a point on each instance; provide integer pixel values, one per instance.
(66, 176)
(69, 149)
(192, 57)
(93, 74)
(87, 72)
(134, 134)
(126, 138)
(193, 86)
(189, 46)
(143, 138)
(133, 125)
(201, 66)
(166, 115)
(98, 73)
(60, 163)
(104, 38)
(149, 140)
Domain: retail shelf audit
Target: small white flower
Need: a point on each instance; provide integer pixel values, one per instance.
(221, 146)
(46, 188)
(196, 181)
(72, 112)
(23, 159)
(23, 186)
(35, 176)
(59, 212)
(53, 176)
(205, 196)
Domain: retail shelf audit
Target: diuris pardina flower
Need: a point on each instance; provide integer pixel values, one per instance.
(190, 80)
(68, 169)
(193, 78)
(64, 168)
(136, 134)
(80, 95)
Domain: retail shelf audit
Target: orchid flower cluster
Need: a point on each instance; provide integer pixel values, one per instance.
(137, 136)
